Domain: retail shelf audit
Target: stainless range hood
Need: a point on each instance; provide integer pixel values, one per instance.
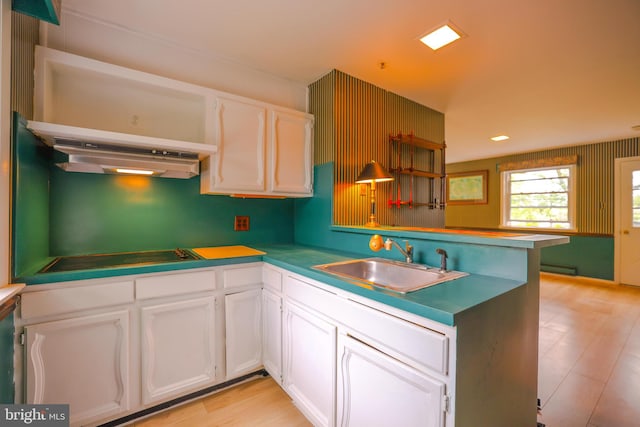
(97, 151)
(90, 157)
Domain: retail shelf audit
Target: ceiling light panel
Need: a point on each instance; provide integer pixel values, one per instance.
(500, 138)
(441, 36)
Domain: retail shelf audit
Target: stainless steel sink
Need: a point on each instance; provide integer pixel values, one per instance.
(383, 273)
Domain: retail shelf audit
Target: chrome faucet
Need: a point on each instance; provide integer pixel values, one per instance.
(443, 259)
(407, 252)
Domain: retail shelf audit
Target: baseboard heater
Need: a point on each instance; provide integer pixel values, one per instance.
(560, 269)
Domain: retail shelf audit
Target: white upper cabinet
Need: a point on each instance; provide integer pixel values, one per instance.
(75, 91)
(291, 162)
(241, 139)
(260, 157)
(262, 149)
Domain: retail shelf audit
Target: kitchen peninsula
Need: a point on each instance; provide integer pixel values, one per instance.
(466, 346)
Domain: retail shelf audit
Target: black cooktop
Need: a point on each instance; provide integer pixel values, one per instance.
(119, 259)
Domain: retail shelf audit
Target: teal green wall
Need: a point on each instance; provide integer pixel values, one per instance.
(590, 256)
(30, 194)
(58, 213)
(93, 213)
(313, 219)
(41, 9)
(314, 216)
(6, 360)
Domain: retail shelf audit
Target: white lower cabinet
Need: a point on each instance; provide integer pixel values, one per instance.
(178, 348)
(145, 340)
(375, 389)
(309, 363)
(350, 362)
(83, 361)
(272, 334)
(243, 325)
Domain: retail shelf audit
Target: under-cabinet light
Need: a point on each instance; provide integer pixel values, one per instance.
(441, 36)
(500, 138)
(134, 171)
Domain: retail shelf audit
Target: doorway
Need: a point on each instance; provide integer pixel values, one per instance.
(627, 221)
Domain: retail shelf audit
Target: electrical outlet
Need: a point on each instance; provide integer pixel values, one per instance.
(241, 223)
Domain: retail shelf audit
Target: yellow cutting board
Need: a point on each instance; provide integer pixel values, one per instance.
(218, 252)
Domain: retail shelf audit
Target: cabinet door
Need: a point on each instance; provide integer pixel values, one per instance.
(239, 164)
(83, 362)
(377, 390)
(272, 334)
(291, 160)
(244, 333)
(178, 343)
(310, 364)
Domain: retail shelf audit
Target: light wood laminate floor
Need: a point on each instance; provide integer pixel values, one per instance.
(589, 355)
(589, 367)
(259, 402)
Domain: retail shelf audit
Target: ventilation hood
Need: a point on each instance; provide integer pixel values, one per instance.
(97, 151)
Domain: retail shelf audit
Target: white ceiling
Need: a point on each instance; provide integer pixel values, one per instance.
(548, 73)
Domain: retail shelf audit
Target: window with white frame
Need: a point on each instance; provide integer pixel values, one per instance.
(541, 198)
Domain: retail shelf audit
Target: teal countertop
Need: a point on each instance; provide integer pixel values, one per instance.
(511, 239)
(67, 276)
(442, 303)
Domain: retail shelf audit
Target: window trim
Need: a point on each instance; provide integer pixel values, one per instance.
(571, 192)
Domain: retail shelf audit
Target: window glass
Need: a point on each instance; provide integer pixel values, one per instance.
(539, 198)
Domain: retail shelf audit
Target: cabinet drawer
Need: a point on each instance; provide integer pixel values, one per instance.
(74, 299)
(243, 276)
(175, 284)
(313, 297)
(422, 348)
(272, 278)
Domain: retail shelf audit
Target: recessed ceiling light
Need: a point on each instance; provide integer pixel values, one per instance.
(441, 36)
(500, 138)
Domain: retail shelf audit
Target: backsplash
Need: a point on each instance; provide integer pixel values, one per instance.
(60, 213)
(93, 213)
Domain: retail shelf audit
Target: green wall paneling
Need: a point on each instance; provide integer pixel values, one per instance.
(92, 213)
(6, 360)
(590, 256)
(313, 216)
(30, 198)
